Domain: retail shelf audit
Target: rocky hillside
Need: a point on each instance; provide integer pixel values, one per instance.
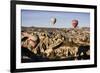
(56, 43)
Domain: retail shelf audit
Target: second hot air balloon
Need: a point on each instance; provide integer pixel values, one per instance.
(74, 23)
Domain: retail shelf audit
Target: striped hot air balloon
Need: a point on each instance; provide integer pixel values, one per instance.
(74, 23)
(53, 21)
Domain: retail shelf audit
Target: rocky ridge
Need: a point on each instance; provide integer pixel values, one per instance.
(57, 43)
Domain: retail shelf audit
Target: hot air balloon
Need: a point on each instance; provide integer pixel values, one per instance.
(53, 20)
(74, 23)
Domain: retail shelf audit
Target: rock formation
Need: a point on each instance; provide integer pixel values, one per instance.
(57, 43)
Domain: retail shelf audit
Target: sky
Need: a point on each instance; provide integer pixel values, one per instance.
(38, 18)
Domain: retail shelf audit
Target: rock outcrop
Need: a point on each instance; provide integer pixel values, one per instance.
(57, 44)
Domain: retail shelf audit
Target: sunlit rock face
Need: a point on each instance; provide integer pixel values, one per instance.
(57, 43)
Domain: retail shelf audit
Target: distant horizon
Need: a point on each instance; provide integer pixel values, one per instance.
(35, 18)
(52, 27)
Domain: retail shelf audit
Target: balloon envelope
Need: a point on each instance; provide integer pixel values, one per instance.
(74, 23)
(53, 21)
